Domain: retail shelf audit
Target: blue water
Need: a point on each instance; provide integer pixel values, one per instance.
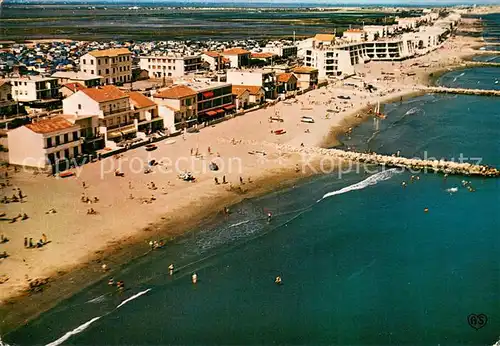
(487, 58)
(476, 78)
(365, 266)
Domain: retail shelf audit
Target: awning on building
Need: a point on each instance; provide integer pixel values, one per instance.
(211, 113)
(208, 94)
(220, 111)
(228, 107)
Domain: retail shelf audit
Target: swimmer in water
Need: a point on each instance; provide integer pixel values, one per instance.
(269, 216)
(277, 280)
(171, 269)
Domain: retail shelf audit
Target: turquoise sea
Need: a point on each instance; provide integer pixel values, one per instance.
(361, 261)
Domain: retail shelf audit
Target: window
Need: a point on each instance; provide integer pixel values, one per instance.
(75, 135)
(66, 138)
(91, 62)
(58, 140)
(84, 62)
(92, 72)
(99, 72)
(79, 106)
(66, 153)
(49, 142)
(85, 71)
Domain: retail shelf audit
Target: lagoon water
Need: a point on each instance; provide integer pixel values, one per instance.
(365, 265)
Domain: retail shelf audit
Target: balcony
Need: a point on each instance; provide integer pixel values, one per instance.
(122, 126)
(115, 111)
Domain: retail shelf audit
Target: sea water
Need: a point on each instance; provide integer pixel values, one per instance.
(361, 262)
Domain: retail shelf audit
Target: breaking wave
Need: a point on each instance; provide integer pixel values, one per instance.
(371, 180)
(413, 111)
(75, 331)
(133, 297)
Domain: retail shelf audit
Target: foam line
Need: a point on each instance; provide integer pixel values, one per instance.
(75, 331)
(133, 297)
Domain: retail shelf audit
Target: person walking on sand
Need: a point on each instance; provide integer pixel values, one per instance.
(209, 151)
(44, 238)
(224, 179)
(25, 242)
(241, 181)
(216, 181)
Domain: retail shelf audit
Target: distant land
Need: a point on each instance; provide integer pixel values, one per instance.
(259, 3)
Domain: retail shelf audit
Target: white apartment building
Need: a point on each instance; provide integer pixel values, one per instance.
(354, 35)
(109, 104)
(44, 142)
(32, 88)
(170, 65)
(114, 65)
(85, 79)
(280, 49)
(261, 78)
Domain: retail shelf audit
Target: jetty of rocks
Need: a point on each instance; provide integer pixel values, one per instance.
(462, 91)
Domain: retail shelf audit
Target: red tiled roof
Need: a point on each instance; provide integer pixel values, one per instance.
(324, 37)
(263, 55)
(109, 52)
(139, 100)
(305, 69)
(238, 90)
(235, 51)
(50, 125)
(104, 93)
(285, 77)
(74, 87)
(176, 92)
(253, 89)
(212, 54)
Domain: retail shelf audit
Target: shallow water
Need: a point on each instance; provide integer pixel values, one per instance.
(360, 260)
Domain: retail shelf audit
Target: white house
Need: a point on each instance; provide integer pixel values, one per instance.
(238, 57)
(83, 78)
(262, 78)
(34, 88)
(44, 142)
(110, 104)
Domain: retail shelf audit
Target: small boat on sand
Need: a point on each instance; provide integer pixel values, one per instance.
(279, 132)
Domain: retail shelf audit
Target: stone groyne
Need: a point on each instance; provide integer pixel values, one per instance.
(437, 166)
(462, 91)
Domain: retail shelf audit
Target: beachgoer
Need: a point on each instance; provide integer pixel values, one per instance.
(241, 180)
(44, 238)
(224, 179)
(269, 216)
(277, 280)
(171, 269)
(194, 278)
(30, 243)
(25, 216)
(216, 181)
(111, 282)
(151, 244)
(104, 267)
(209, 151)
(25, 242)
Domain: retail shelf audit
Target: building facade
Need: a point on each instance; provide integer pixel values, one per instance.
(262, 78)
(171, 65)
(44, 143)
(113, 65)
(83, 78)
(237, 57)
(34, 88)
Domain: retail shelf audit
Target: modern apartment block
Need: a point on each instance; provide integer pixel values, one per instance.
(170, 65)
(114, 65)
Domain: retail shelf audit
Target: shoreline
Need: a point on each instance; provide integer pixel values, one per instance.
(16, 311)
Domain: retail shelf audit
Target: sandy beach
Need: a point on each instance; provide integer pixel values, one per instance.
(137, 208)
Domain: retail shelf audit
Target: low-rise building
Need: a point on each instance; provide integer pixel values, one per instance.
(354, 35)
(69, 89)
(241, 97)
(214, 60)
(307, 77)
(287, 82)
(170, 65)
(262, 78)
(5, 90)
(109, 104)
(177, 107)
(33, 88)
(44, 143)
(237, 57)
(80, 77)
(114, 65)
(145, 113)
(256, 94)
(282, 50)
(264, 57)
(213, 100)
